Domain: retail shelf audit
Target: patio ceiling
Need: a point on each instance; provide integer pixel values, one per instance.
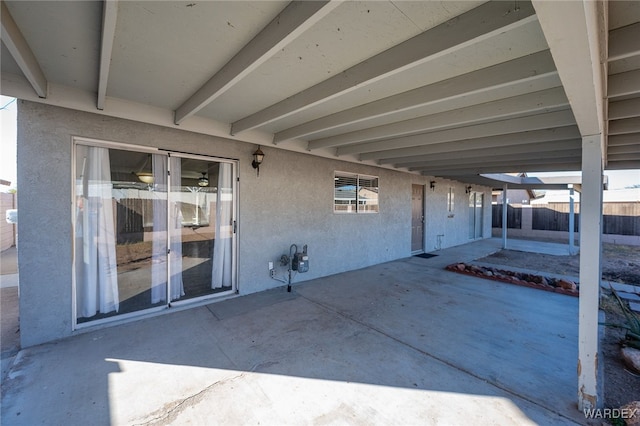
(441, 88)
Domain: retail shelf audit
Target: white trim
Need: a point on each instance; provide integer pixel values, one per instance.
(124, 317)
(357, 203)
(109, 18)
(295, 19)
(206, 298)
(22, 53)
(519, 76)
(471, 27)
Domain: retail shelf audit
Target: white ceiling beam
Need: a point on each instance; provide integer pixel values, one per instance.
(478, 24)
(494, 128)
(623, 84)
(576, 36)
(521, 71)
(21, 52)
(494, 159)
(623, 42)
(624, 109)
(624, 126)
(295, 19)
(531, 103)
(109, 18)
(623, 165)
(515, 150)
(500, 141)
(567, 165)
(552, 180)
(621, 140)
(505, 165)
(82, 100)
(624, 149)
(62, 96)
(629, 156)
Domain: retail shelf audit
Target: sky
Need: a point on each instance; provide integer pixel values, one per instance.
(618, 179)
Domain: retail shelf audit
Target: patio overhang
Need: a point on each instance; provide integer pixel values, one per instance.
(497, 182)
(456, 90)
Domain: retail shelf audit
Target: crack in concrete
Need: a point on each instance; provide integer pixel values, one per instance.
(165, 416)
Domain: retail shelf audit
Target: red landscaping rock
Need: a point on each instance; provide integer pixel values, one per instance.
(567, 285)
(518, 278)
(632, 408)
(631, 358)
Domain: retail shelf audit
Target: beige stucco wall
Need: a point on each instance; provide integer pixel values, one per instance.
(290, 202)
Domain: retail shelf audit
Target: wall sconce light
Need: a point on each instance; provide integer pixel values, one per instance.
(258, 156)
(467, 189)
(203, 181)
(432, 185)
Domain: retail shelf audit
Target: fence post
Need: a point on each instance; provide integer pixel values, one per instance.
(571, 220)
(505, 206)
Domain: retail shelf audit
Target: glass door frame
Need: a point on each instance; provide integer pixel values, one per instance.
(476, 226)
(234, 235)
(84, 141)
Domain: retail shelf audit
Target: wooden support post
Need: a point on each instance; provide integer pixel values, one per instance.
(589, 386)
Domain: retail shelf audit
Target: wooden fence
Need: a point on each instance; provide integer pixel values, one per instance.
(514, 216)
(554, 217)
(618, 218)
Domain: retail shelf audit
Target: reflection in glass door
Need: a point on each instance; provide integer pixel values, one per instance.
(150, 229)
(120, 231)
(476, 201)
(204, 200)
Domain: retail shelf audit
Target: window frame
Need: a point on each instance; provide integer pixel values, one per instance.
(358, 203)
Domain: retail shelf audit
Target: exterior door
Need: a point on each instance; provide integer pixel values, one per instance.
(476, 202)
(151, 229)
(202, 229)
(417, 218)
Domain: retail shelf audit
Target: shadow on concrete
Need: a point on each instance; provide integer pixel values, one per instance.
(402, 342)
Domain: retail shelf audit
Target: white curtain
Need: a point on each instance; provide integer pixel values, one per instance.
(159, 254)
(97, 283)
(222, 246)
(175, 231)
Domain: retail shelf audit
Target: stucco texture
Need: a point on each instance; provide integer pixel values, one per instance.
(291, 201)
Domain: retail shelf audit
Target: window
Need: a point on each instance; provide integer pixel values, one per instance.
(450, 196)
(355, 193)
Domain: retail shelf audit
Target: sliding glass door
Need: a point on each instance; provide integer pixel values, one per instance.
(476, 204)
(203, 197)
(151, 229)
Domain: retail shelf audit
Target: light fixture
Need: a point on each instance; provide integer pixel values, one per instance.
(468, 189)
(432, 185)
(203, 181)
(145, 177)
(258, 156)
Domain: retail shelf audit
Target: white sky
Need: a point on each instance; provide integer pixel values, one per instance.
(8, 116)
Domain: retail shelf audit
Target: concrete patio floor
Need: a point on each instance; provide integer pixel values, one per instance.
(404, 342)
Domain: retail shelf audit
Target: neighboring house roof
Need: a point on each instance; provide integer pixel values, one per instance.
(627, 195)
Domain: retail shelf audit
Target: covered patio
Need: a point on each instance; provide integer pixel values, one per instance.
(442, 92)
(393, 343)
